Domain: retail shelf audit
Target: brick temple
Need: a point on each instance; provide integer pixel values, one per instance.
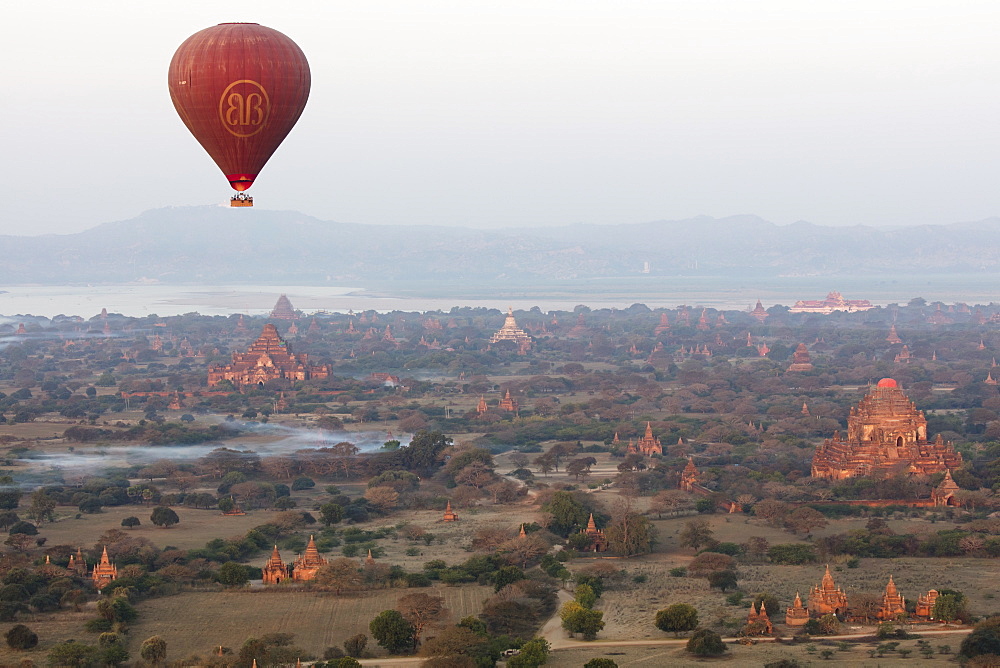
(886, 435)
(511, 332)
(268, 358)
(283, 310)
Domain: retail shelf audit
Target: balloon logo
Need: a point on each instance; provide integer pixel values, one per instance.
(239, 88)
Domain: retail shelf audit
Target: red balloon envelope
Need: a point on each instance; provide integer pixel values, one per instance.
(239, 88)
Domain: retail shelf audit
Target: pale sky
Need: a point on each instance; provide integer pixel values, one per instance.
(524, 112)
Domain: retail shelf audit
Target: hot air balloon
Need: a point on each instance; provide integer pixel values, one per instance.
(239, 88)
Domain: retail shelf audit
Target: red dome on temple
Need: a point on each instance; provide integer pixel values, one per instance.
(887, 382)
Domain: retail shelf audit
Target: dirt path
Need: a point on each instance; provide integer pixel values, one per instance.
(553, 631)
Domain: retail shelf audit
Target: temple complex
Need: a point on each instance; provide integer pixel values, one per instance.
(283, 310)
(268, 358)
(893, 605)
(449, 514)
(826, 598)
(598, 542)
(104, 572)
(893, 337)
(664, 325)
(886, 435)
(511, 332)
(275, 571)
(834, 302)
(305, 567)
(797, 615)
(647, 445)
(800, 359)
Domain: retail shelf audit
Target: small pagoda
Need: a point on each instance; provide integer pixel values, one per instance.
(925, 604)
(305, 567)
(689, 476)
(104, 572)
(800, 359)
(275, 571)
(797, 615)
(758, 622)
(827, 598)
(760, 313)
(598, 541)
(647, 445)
(944, 494)
(449, 514)
(893, 605)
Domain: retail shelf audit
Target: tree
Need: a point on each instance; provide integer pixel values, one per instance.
(629, 533)
(677, 618)
(706, 642)
(355, 645)
(383, 499)
(600, 662)
(505, 576)
(420, 610)
(949, 607)
(233, 574)
(722, 580)
(805, 519)
(669, 501)
(459, 643)
(21, 637)
(42, 506)
(696, 533)
(153, 650)
(331, 513)
(533, 653)
(568, 514)
(391, 630)
(164, 517)
(130, 522)
(339, 575)
(73, 654)
(581, 620)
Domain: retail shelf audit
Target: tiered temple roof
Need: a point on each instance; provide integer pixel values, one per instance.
(759, 618)
(449, 514)
(598, 542)
(797, 615)
(759, 312)
(308, 563)
(104, 572)
(689, 476)
(886, 434)
(834, 302)
(893, 337)
(800, 359)
(925, 604)
(827, 598)
(275, 570)
(268, 358)
(647, 445)
(944, 494)
(283, 310)
(893, 605)
(508, 403)
(511, 332)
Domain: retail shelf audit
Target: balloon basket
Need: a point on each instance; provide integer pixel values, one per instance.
(241, 200)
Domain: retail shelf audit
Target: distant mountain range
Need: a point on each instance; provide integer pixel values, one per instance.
(212, 244)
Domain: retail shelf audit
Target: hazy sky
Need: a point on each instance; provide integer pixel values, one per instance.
(524, 112)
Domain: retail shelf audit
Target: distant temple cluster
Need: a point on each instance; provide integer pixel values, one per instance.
(268, 358)
(833, 302)
(648, 445)
(827, 598)
(886, 435)
(303, 569)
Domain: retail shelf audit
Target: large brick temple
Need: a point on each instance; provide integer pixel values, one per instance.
(886, 435)
(268, 358)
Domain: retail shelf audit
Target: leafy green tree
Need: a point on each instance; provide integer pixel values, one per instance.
(677, 618)
(600, 662)
(164, 517)
(584, 595)
(950, 607)
(331, 513)
(130, 522)
(722, 580)
(706, 642)
(233, 574)
(629, 533)
(533, 653)
(42, 506)
(21, 637)
(584, 621)
(505, 576)
(568, 514)
(74, 655)
(153, 650)
(226, 504)
(391, 630)
(984, 639)
(114, 655)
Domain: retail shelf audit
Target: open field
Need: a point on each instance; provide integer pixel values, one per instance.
(192, 623)
(741, 656)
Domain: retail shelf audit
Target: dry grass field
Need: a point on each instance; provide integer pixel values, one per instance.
(194, 622)
(739, 656)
